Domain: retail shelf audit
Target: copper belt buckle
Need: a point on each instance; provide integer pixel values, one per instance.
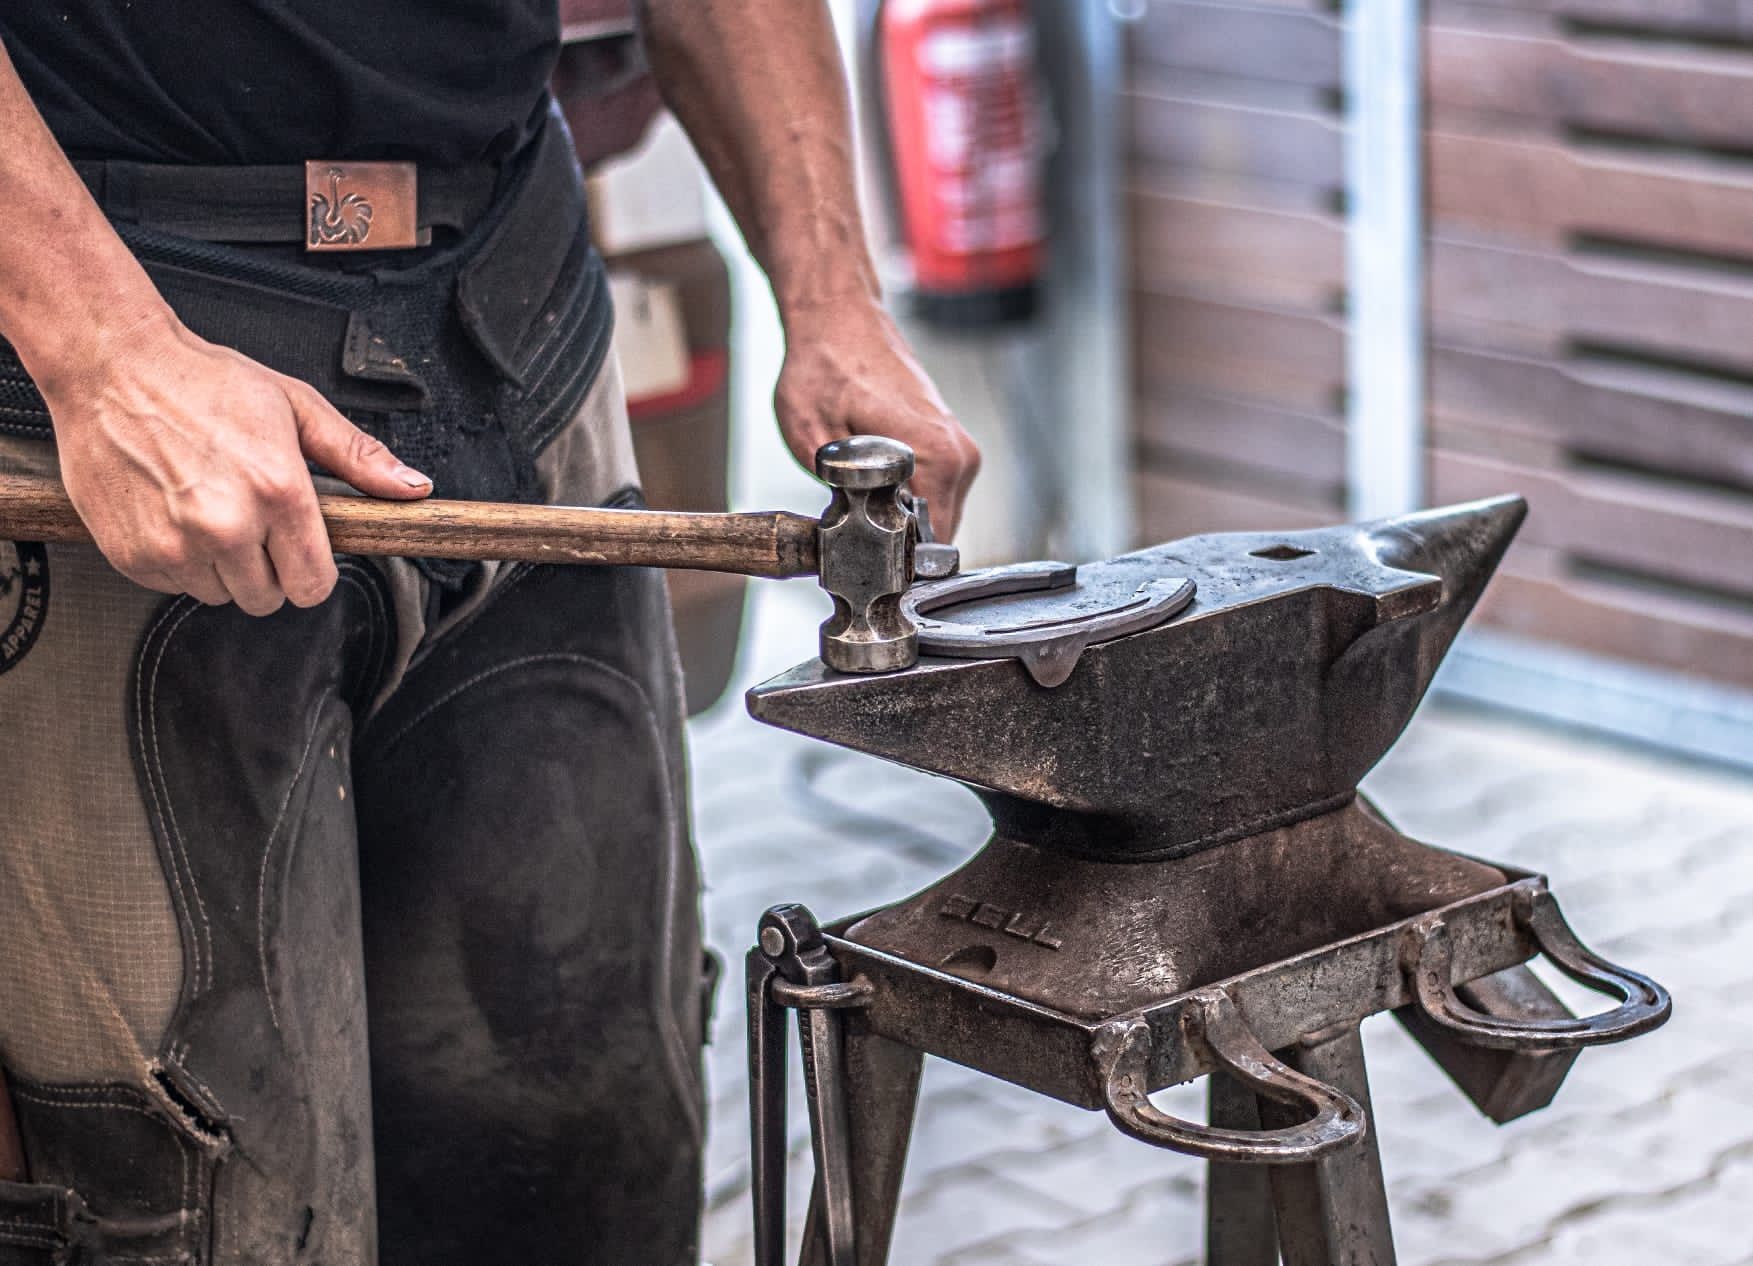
(361, 206)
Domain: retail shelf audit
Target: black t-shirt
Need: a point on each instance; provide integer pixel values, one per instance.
(281, 81)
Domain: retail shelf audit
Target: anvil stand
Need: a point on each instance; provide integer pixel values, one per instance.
(1182, 882)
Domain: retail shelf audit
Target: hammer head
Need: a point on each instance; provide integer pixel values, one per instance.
(865, 545)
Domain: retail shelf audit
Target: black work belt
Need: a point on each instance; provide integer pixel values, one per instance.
(465, 359)
(328, 205)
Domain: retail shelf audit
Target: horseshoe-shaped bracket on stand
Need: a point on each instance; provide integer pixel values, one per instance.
(1122, 1054)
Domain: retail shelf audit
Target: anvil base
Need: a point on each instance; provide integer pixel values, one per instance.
(1254, 962)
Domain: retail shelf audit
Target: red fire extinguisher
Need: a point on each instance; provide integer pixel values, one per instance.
(962, 112)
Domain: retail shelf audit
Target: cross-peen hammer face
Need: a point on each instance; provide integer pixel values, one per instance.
(865, 546)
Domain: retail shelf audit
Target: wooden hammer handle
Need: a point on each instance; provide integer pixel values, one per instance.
(771, 543)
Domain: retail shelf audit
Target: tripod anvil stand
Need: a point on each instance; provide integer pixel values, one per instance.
(1182, 882)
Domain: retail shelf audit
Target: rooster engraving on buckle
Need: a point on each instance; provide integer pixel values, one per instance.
(338, 218)
(360, 206)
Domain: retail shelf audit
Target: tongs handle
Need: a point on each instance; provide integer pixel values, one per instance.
(1122, 1053)
(1644, 1005)
(767, 1110)
(792, 968)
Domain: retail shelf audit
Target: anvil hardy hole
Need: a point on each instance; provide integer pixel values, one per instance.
(975, 960)
(1280, 553)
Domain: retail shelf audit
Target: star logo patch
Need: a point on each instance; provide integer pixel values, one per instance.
(24, 599)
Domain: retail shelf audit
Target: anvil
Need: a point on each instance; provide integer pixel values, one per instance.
(1297, 664)
(1182, 880)
(1237, 729)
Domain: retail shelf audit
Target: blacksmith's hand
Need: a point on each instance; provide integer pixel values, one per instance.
(187, 462)
(848, 371)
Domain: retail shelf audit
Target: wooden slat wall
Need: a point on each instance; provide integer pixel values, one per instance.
(1590, 169)
(1238, 265)
(1590, 190)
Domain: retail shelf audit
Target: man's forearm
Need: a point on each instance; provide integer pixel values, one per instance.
(185, 459)
(760, 88)
(68, 285)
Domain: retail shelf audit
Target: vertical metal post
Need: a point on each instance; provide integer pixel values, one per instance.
(1241, 1228)
(1082, 374)
(1385, 257)
(1335, 1211)
(882, 1090)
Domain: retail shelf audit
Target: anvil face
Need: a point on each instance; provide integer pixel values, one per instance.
(1297, 665)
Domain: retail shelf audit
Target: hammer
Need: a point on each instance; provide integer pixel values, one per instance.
(862, 549)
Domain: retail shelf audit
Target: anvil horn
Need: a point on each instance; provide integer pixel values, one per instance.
(1296, 667)
(1463, 545)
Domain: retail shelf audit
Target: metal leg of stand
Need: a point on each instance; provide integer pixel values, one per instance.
(1335, 1211)
(882, 1093)
(767, 1053)
(1240, 1227)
